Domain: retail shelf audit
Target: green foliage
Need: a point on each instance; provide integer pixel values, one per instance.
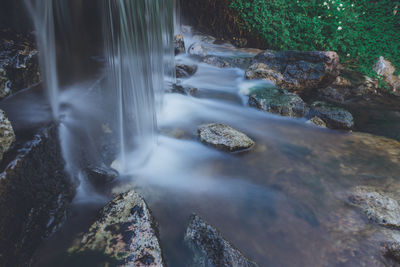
(360, 31)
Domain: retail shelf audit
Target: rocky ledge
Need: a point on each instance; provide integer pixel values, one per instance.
(224, 137)
(125, 234)
(19, 63)
(34, 195)
(210, 248)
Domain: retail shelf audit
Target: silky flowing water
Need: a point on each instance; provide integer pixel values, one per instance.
(280, 203)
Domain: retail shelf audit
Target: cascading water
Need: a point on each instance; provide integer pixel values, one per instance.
(139, 53)
(42, 12)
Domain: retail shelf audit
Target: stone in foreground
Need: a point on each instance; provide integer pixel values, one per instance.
(334, 117)
(278, 101)
(210, 248)
(224, 137)
(378, 206)
(295, 71)
(125, 233)
(7, 136)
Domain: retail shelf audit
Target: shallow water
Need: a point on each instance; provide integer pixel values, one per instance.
(279, 203)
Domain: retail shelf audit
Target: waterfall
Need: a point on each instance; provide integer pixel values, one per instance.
(139, 53)
(42, 12)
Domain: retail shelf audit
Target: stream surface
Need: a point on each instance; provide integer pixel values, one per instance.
(279, 203)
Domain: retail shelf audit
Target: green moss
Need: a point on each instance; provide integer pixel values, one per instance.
(360, 31)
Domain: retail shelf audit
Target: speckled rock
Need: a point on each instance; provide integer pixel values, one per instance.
(218, 62)
(196, 49)
(317, 122)
(295, 71)
(210, 248)
(7, 136)
(385, 69)
(125, 232)
(179, 44)
(378, 206)
(275, 100)
(185, 71)
(334, 117)
(224, 137)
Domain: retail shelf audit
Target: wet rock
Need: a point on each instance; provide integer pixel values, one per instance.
(385, 69)
(179, 89)
(217, 62)
(278, 101)
(19, 64)
(334, 117)
(391, 250)
(101, 175)
(295, 71)
(184, 71)
(210, 248)
(196, 49)
(224, 137)
(317, 121)
(378, 206)
(179, 44)
(35, 193)
(350, 86)
(7, 136)
(125, 232)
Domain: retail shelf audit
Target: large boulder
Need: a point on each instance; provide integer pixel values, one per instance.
(19, 63)
(350, 86)
(125, 233)
(296, 71)
(210, 248)
(385, 69)
(35, 192)
(224, 137)
(7, 136)
(377, 206)
(334, 117)
(275, 100)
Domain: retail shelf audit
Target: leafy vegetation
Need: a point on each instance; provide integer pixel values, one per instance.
(360, 31)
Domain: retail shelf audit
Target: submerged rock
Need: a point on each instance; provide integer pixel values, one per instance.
(196, 49)
(224, 137)
(7, 136)
(278, 101)
(334, 117)
(317, 122)
(378, 206)
(210, 248)
(295, 71)
(35, 193)
(218, 62)
(179, 89)
(385, 69)
(179, 44)
(184, 71)
(125, 233)
(19, 64)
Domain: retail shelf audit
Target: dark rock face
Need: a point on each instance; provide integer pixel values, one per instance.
(19, 64)
(125, 233)
(184, 71)
(278, 101)
(101, 175)
(334, 117)
(210, 248)
(224, 137)
(295, 71)
(34, 195)
(349, 86)
(179, 44)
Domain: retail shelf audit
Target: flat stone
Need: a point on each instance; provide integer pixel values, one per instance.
(334, 117)
(275, 100)
(377, 206)
(210, 248)
(125, 232)
(224, 137)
